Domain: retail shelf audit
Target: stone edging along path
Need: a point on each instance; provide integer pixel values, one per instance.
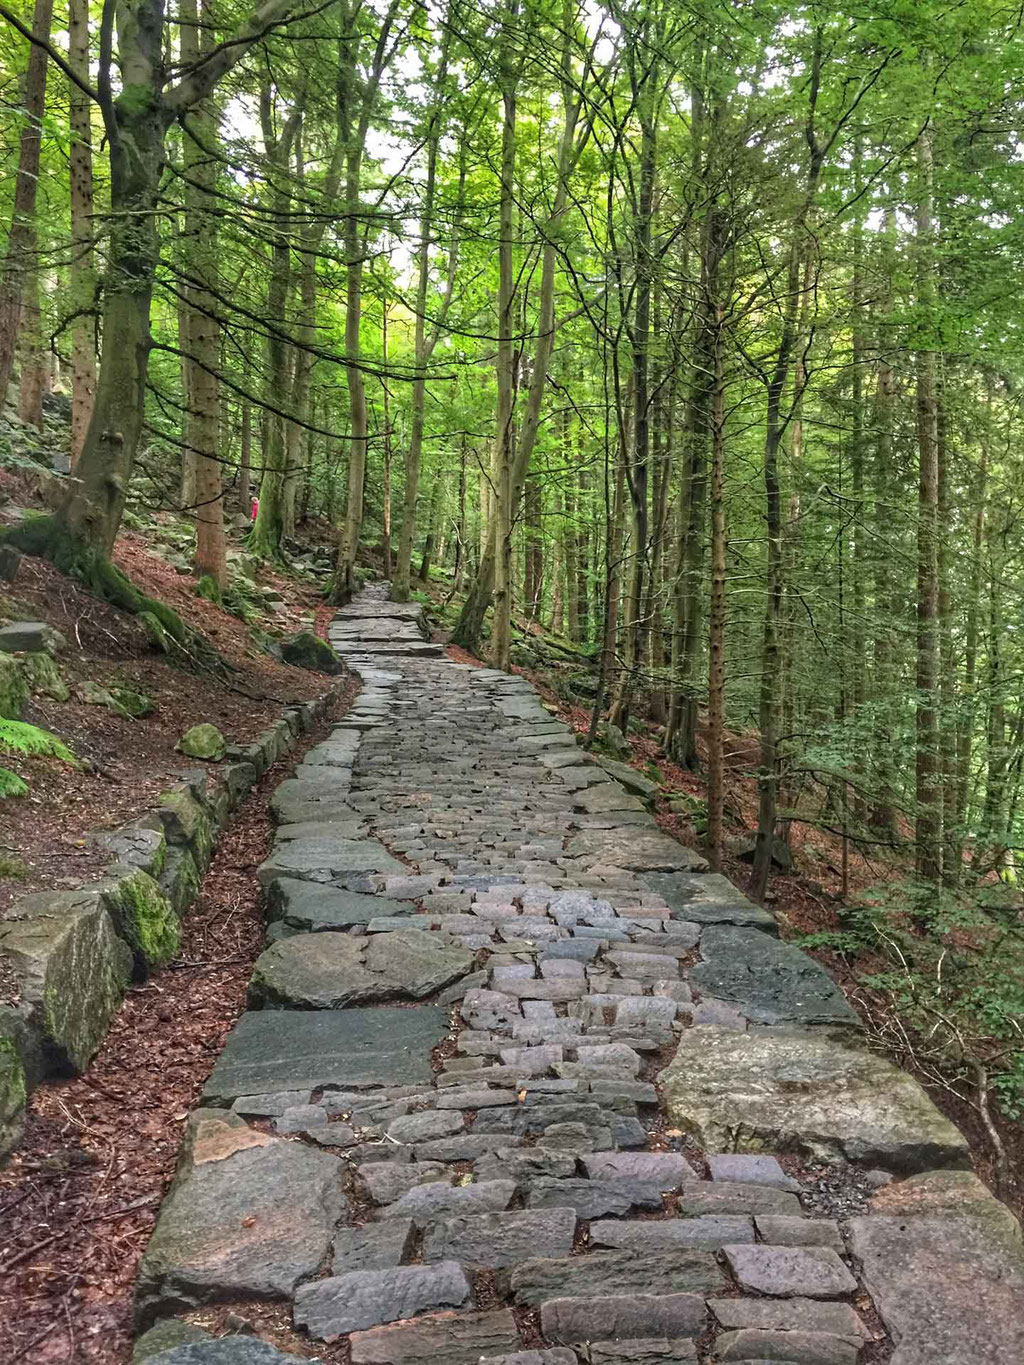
(74, 953)
(520, 1083)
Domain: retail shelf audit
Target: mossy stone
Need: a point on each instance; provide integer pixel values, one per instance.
(306, 650)
(43, 674)
(179, 880)
(142, 915)
(137, 704)
(203, 741)
(13, 687)
(165, 1336)
(92, 693)
(186, 822)
(13, 1088)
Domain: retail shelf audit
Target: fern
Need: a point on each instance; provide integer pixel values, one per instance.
(18, 737)
(11, 784)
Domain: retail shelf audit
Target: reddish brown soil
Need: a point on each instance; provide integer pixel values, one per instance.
(79, 1197)
(128, 762)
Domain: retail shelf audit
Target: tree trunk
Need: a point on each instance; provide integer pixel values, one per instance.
(21, 263)
(928, 861)
(200, 138)
(717, 612)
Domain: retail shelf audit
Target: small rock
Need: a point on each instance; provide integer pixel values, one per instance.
(31, 637)
(203, 741)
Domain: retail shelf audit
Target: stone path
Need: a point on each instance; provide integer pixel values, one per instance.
(522, 1083)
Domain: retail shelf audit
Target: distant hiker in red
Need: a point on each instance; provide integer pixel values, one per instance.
(255, 509)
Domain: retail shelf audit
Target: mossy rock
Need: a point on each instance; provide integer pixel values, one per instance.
(165, 1336)
(13, 687)
(142, 915)
(158, 636)
(137, 704)
(306, 650)
(203, 741)
(179, 880)
(72, 970)
(13, 1087)
(186, 822)
(43, 674)
(209, 588)
(92, 693)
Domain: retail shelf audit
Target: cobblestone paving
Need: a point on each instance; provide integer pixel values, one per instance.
(522, 1083)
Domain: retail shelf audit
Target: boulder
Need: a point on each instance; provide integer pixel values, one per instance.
(805, 1092)
(745, 846)
(629, 778)
(136, 704)
(72, 970)
(306, 650)
(30, 637)
(203, 741)
(185, 821)
(767, 981)
(91, 693)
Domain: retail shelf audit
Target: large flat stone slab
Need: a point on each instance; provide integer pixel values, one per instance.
(312, 906)
(331, 971)
(249, 1214)
(637, 850)
(768, 981)
(270, 1050)
(321, 859)
(709, 899)
(805, 1093)
(491, 1241)
(950, 1290)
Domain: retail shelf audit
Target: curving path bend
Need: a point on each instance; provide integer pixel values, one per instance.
(520, 1083)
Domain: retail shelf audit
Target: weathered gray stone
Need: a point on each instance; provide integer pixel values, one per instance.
(784, 1230)
(950, 1290)
(71, 968)
(808, 1094)
(331, 970)
(311, 906)
(249, 1214)
(368, 1298)
(557, 1355)
(611, 1317)
(323, 859)
(724, 1197)
(594, 1198)
(386, 1181)
(794, 1348)
(640, 850)
(791, 1315)
(424, 1203)
(768, 981)
(373, 1247)
(445, 1339)
(617, 1273)
(277, 1049)
(427, 1123)
(668, 1169)
(525, 1164)
(31, 637)
(703, 1233)
(807, 1272)
(710, 899)
(751, 1168)
(491, 1241)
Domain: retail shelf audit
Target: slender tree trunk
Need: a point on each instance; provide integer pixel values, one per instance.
(436, 512)
(717, 612)
(19, 274)
(200, 137)
(927, 792)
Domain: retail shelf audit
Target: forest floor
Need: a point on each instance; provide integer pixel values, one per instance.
(127, 761)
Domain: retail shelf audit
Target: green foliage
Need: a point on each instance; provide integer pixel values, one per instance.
(11, 784)
(18, 737)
